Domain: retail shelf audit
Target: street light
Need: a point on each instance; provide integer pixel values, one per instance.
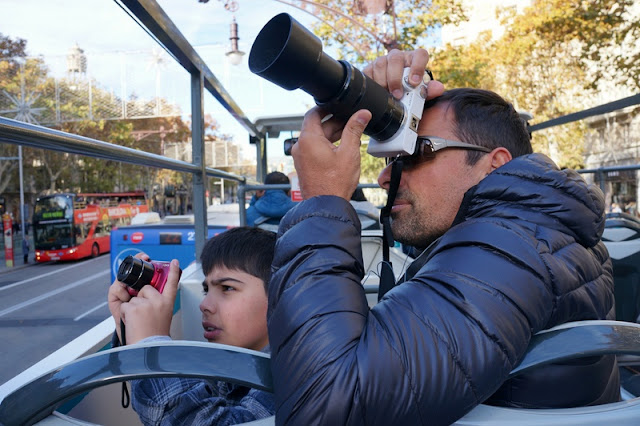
(366, 7)
(235, 55)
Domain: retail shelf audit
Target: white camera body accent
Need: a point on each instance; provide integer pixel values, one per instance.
(403, 142)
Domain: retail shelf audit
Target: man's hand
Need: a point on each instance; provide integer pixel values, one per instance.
(387, 71)
(323, 168)
(326, 169)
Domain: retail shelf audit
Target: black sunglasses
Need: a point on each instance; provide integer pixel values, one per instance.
(427, 146)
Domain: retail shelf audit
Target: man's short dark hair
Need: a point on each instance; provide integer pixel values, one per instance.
(484, 118)
(277, 178)
(244, 248)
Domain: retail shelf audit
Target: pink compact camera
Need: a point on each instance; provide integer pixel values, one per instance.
(136, 273)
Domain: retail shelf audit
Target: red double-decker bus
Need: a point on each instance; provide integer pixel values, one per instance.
(74, 226)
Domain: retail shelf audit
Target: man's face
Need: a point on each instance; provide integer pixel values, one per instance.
(234, 309)
(430, 192)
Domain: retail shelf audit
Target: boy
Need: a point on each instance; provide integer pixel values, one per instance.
(237, 269)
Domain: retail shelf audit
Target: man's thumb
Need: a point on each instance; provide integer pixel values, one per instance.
(356, 124)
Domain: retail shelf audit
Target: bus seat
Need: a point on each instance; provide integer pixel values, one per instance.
(187, 319)
(567, 341)
(237, 365)
(621, 236)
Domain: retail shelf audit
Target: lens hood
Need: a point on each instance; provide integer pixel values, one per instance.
(291, 56)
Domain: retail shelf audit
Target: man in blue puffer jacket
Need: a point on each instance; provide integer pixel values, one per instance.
(511, 247)
(269, 206)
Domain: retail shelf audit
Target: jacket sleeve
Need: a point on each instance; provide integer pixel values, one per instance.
(431, 350)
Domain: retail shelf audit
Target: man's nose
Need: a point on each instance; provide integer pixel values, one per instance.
(385, 177)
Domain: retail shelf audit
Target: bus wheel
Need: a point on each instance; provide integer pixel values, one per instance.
(95, 250)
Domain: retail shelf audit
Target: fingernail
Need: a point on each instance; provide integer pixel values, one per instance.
(397, 93)
(361, 118)
(415, 79)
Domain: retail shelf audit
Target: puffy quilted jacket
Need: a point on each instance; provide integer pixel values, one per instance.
(524, 254)
(269, 208)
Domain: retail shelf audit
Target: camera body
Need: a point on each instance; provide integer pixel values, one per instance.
(136, 273)
(291, 56)
(403, 142)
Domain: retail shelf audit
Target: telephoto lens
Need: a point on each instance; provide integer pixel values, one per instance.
(136, 273)
(289, 55)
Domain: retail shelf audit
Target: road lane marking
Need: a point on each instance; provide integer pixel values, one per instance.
(52, 293)
(17, 283)
(79, 317)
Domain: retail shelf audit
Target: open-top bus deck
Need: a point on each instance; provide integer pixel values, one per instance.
(79, 383)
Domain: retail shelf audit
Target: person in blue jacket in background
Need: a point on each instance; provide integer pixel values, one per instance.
(269, 206)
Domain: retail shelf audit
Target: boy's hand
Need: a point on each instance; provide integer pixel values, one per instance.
(150, 312)
(118, 295)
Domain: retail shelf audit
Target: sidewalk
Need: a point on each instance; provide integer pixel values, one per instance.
(17, 255)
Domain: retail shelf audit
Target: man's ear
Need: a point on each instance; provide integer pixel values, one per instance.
(259, 193)
(499, 157)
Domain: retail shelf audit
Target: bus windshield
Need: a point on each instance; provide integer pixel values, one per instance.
(53, 221)
(53, 236)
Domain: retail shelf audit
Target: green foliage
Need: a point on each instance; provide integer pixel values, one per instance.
(74, 104)
(549, 62)
(361, 37)
(370, 166)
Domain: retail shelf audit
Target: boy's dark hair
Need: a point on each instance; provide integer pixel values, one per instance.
(484, 118)
(244, 248)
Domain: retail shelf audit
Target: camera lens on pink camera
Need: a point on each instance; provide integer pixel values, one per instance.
(136, 273)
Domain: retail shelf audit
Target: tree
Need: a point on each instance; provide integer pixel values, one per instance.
(549, 62)
(10, 52)
(371, 28)
(370, 166)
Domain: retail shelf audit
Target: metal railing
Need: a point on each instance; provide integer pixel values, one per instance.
(150, 16)
(159, 26)
(243, 188)
(25, 134)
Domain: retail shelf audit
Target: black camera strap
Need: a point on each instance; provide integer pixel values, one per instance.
(125, 392)
(387, 278)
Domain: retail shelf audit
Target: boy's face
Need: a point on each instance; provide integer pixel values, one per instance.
(234, 309)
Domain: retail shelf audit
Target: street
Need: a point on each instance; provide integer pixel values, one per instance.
(44, 306)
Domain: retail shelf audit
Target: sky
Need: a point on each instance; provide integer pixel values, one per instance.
(120, 54)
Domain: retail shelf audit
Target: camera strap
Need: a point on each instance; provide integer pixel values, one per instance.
(387, 278)
(125, 392)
